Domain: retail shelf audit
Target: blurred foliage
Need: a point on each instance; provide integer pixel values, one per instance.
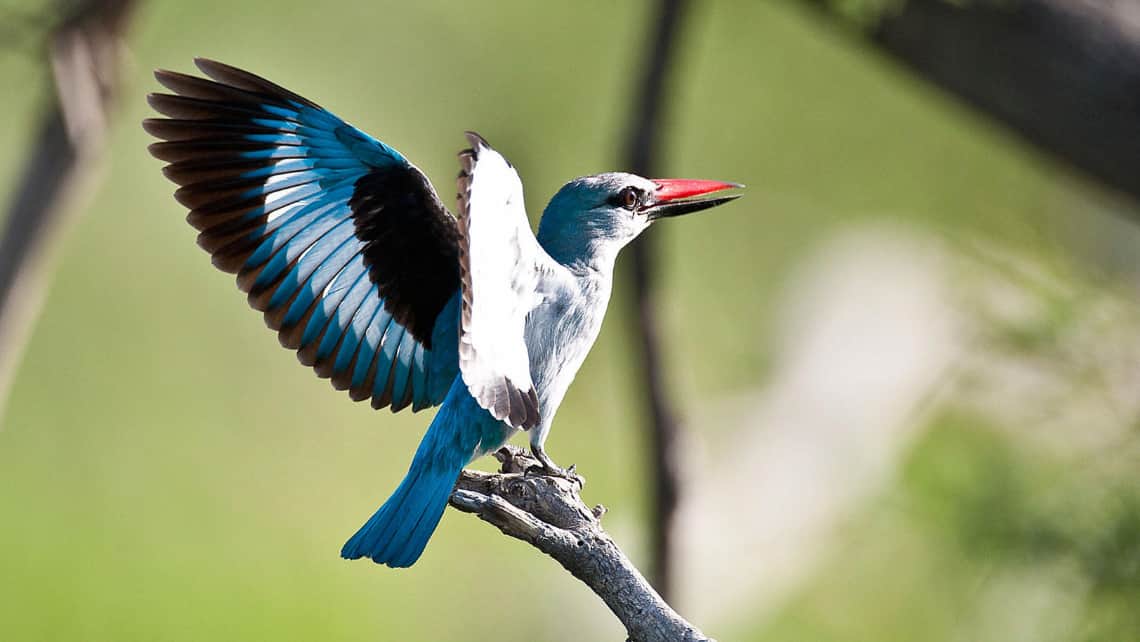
(984, 538)
(998, 503)
(1016, 515)
(168, 472)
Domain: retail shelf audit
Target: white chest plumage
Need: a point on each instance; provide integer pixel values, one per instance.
(559, 335)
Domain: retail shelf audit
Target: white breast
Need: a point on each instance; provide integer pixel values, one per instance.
(559, 335)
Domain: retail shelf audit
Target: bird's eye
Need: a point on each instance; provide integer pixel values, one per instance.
(629, 198)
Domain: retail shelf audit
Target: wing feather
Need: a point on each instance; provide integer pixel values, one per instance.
(499, 276)
(340, 241)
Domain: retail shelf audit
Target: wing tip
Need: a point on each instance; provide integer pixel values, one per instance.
(154, 126)
(477, 142)
(204, 64)
(160, 150)
(176, 81)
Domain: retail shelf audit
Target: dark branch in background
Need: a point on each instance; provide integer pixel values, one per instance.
(1064, 74)
(640, 158)
(548, 513)
(83, 53)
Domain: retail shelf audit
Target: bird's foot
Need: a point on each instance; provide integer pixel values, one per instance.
(548, 467)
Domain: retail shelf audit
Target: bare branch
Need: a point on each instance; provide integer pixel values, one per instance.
(548, 513)
(1063, 74)
(84, 53)
(641, 158)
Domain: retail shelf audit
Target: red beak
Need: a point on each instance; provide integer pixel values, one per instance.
(671, 189)
(669, 199)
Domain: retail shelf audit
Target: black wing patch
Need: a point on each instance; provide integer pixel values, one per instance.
(410, 245)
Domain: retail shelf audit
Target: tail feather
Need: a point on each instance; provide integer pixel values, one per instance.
(406, 555)
(398, 532)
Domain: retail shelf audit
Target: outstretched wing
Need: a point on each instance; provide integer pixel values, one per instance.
(498, 261)
(336, 237)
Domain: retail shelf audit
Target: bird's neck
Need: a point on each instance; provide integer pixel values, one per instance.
(583, 260)
(579, 250)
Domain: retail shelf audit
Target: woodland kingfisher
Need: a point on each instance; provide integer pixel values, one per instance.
(360, 268)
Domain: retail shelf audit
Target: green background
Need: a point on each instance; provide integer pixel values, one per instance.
(167, 472)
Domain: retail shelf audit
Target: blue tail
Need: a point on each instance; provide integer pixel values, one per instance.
(397, 534)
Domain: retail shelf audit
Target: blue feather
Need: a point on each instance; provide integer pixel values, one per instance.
(321, 276)
(420, 398)
(354, 332)
(404, 368)
(291, 114)
(399, 531)
(315, 252)
(282, 180)
(373, 337)
(338, 290)
(304, 232)
(386, 350)
(361, 292)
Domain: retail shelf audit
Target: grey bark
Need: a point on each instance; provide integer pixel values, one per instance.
(548, 513)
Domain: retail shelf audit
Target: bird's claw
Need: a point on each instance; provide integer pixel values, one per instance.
(567, 474)
(547, 467)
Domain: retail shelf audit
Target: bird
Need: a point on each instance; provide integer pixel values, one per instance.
(347, 249)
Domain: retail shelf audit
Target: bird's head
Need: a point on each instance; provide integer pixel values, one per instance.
(595, 216)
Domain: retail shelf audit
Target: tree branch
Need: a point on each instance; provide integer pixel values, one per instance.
(641, 155)
(83, 53)
(1063, 74)
(548, 513)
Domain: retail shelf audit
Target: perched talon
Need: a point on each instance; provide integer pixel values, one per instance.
(551, 469)
(572, 475)
(566, 473)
